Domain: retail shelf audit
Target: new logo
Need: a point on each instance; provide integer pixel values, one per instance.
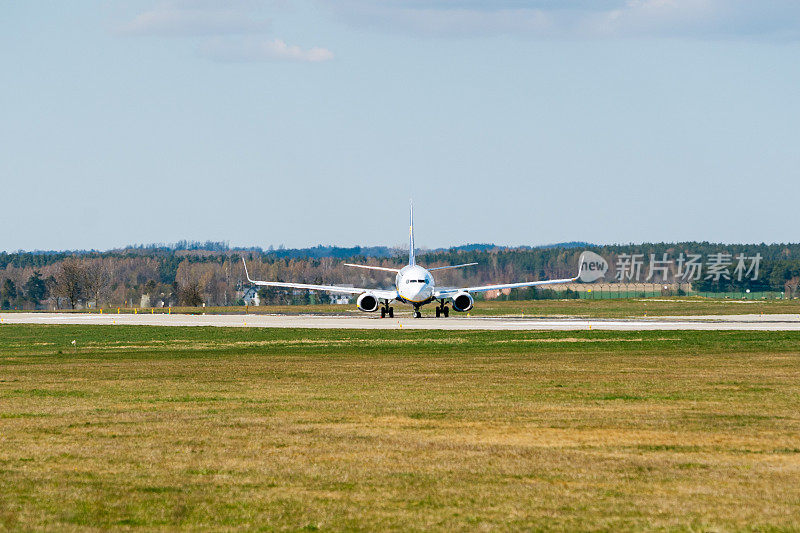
(592, 267)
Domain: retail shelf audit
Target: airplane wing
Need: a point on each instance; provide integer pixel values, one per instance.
(379, 293)
(443, 293)
(440, 293)
(452, 266)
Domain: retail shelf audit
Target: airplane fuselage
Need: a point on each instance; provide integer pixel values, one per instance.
(414, 285)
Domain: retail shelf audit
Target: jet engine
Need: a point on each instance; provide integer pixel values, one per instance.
(463, 301)
(367, 302)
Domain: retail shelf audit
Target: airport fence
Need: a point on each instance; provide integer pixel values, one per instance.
(616, 291)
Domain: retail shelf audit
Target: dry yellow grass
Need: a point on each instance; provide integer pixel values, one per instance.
(209, 429)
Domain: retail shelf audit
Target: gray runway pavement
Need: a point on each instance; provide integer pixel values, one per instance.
(716, 322)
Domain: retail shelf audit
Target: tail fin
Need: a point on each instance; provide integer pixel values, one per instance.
(411, 260)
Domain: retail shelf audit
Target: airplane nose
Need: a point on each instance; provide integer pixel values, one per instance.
(417, 294)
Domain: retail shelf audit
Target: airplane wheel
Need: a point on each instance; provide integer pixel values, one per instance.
(391, 312)
(438, 312)
(446, 311)
(383, 313)
(417, 314)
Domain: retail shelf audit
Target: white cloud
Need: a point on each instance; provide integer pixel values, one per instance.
(241, 50)
(224, 30)
(765, 19)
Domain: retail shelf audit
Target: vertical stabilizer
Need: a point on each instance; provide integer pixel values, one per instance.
(411, 260)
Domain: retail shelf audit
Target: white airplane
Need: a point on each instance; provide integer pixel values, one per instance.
(413, 285)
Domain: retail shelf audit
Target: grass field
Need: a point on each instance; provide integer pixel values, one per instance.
(620, 308)
(623, 308)
(215, 429)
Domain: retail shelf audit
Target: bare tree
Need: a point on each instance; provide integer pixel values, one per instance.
(96, 280)
(190, 294)
(790, 287)
(189, 283)
(70, 281)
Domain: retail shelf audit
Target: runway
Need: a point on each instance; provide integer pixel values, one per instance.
(700, 323)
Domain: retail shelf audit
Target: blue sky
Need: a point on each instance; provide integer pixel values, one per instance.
(514, 121)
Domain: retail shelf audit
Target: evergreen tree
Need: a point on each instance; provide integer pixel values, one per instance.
(35, 288)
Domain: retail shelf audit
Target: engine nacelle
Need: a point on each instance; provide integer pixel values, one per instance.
(463, 302)
(367, 302)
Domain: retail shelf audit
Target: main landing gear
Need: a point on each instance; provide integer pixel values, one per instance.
(387, 311)
(442, 310)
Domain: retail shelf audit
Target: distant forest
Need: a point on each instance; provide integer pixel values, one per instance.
(211, 273)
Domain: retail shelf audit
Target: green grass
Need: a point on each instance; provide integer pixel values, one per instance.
(636, 307)
(213, 428)
(619, 308)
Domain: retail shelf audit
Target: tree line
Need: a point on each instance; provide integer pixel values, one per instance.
(192, 276)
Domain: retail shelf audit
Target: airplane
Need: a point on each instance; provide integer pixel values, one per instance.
(414, 285)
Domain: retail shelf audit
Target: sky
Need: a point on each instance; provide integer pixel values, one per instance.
(516, 122)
